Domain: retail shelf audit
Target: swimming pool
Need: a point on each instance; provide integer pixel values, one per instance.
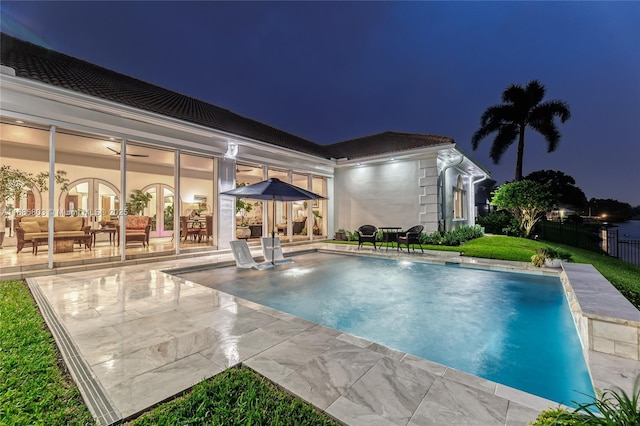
(511, 328)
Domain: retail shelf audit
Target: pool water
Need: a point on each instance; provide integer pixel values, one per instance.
(511, 328)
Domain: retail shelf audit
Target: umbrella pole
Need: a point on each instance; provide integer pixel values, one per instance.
(273, 232)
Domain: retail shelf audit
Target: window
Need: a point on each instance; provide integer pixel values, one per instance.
(459, 195)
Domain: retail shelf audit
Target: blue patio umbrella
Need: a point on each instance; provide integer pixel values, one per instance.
(275, 190)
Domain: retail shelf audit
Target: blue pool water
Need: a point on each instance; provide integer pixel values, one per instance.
(514, 329)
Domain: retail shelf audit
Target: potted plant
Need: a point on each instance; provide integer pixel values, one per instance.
(138, 201)
(341, 235)
(316, 227)
(242, 208)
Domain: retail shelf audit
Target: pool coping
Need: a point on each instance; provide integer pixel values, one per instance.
(107, 413)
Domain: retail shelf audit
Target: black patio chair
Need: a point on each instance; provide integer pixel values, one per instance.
(367, 234)
(411, 236)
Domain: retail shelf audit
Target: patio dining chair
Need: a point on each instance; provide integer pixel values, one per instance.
(367, 234)
(186, 231)
(411, 236)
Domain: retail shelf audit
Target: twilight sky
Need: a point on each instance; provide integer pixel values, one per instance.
(332, 71)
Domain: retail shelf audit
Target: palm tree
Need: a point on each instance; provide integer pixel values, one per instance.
(521, 108)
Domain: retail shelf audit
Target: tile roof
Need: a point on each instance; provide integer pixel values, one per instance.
(385, 143)
(38, 63)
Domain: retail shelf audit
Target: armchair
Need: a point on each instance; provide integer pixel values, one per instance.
(367, 234)
(299, 225)
(137, 229)
(411, 236)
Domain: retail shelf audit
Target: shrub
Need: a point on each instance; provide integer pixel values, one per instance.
(613, 407)
(452, 238)
(499, 223)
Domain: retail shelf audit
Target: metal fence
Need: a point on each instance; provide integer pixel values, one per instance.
(627, 250)
(593, 238)
(579, 235)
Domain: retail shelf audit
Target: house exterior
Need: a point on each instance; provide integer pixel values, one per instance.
(108, 131)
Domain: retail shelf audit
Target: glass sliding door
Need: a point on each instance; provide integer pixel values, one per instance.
(196, 209)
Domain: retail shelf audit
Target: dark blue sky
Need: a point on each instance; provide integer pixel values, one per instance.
(332, 71)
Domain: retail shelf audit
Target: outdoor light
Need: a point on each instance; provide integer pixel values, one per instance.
(19, 121)
(232, 150)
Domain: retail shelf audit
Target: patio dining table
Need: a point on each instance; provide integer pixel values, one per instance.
(390, 234)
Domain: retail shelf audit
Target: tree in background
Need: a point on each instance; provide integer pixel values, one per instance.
(483, 193)
(521, 107)
(526, 200)
(562, 188)
(610, 210)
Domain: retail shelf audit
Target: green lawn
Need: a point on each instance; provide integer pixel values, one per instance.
(34, 388)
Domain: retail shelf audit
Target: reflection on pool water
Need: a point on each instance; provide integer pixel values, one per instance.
(511, 328)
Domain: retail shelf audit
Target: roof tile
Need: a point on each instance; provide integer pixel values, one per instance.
(51, 67)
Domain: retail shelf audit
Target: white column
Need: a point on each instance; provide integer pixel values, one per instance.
(226, 204)
(52, 188)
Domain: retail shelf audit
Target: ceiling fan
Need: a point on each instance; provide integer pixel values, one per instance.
(132, 155)
(239, 170)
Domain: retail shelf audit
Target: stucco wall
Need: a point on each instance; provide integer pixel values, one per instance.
(384, 194)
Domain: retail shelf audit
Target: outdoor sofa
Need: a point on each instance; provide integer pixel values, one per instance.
(34, 229)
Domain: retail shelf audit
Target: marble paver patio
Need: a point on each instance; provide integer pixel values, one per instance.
(135, 336)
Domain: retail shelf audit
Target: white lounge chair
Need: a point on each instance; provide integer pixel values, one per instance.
(243, 257)
(272, 251)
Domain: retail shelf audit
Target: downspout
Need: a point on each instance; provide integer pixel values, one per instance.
(442, 192)
(473, 188)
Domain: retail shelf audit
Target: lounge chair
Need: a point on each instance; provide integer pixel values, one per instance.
(367, 234)
(411, 236)
(243, 257)
(272, 251)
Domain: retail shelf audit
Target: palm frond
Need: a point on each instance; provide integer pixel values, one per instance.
(503, 140)
(513, 94)
(549, 131)
(535, 93)
(550, 109)
(491, 121)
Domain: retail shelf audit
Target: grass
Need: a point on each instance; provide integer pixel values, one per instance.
(34, 388)
(238, 396)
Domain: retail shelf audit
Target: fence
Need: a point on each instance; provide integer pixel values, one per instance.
(579, 235)
(627, 250)
(593, 238)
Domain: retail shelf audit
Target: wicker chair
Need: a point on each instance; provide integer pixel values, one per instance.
(411, 236)
(367, 234)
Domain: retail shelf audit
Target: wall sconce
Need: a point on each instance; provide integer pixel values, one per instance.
(232, 150)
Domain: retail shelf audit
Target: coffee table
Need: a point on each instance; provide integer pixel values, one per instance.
(110, 231)
(61, 244)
